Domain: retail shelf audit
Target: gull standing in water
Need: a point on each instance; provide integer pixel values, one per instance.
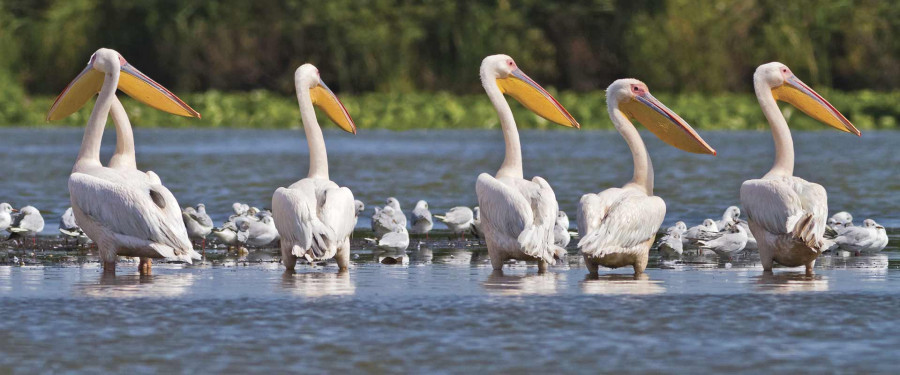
(458, 220)
(198, 223)
(725, 243)
(69, 227)
(519, 214)
(838, 222)
(670, 244)
(787, 214)
(28, 222)
(871, 237)
(420, 220)
(476, 223)
(733, 215)
(618, 225)
(386, 219)
(314, 216)
(6, 211)
(561, 235)
(359, 208)
(708, 226)
(123, 211)
(396, 240)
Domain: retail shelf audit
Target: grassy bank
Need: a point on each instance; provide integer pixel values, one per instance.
(262, 109)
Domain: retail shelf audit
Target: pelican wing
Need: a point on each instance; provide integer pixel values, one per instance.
(593, 208)
(338, 211)
(778, 205)
(630, 222)
(309, 229)
(134, 212)
(294, 212)
(519, 211)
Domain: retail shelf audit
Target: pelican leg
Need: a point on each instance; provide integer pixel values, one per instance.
(146, 266)
(767, 257)
(542, 266)
(592, 267)
(640, 263)
(343, 256)
(288, 259)
(496, 260)
(809, 267)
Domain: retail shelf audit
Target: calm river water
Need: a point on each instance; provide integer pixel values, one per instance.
(446, 311)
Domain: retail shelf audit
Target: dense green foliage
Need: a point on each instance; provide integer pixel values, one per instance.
(263, 109)
(437, 45)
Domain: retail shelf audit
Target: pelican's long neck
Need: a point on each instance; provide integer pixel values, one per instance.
(784, 145)
(89, 154)
(512, 162)
(318, 158)
(643, 167)
(124, 156)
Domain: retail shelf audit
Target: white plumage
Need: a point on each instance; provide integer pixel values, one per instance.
(420, 221)
(871, 237)
(458, 219)
(725, 243)
(6, 211)
(396, 240)
(561, 235)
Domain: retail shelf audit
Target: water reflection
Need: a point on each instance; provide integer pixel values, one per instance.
(456, 256)
(318, 284)
(614, 284)
(111, 285)
(534, 283)
(392, 258)
(789, 282)
(877, 261)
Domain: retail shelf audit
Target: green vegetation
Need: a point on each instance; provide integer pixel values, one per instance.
(262, 109)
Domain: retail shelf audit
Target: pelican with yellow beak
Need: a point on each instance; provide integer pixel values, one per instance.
(517, 215)
(787, 214)
(314, 216)
(121, 209)
(618, 225)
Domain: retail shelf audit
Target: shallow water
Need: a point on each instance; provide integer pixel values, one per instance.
(445, 311)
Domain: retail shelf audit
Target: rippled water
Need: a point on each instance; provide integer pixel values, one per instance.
(446, 311)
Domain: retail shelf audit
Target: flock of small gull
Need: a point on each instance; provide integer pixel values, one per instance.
(252, 227)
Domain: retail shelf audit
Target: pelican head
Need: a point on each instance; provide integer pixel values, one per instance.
(106, 63)
(632, 97)
(306, 77)
(785, 86)
(503, 71)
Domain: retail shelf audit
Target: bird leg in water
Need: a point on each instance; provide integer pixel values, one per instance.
(146, 266)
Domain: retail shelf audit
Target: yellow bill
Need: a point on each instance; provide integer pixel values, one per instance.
(798, 94)
(78, 92)
(665, 124)
(131, 81)
(323, 98)
(534, 97)
(138, 86)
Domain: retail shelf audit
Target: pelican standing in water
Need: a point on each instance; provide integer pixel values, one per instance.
(314, 216)
(787, 214)
(618, 225)
(518, 215)
(121, 209)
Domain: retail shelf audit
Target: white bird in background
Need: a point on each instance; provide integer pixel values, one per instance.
(399, 216)
(561, 235)
(396, 240)
(386, 220)
(708, 226)
(458, 219)
(476, 223)
(315, 216)
(68, 226)
(871, 237)
(240, 209)
(618, 226)
(839, 222)
(28, 222)
(519, 215)
(359, 208)
(198, 223)
(227, 234)
(732, 215)
(122, 210)
(787, 214)
(258, 233)
(725, 243)
(420, 221)
(670, 244)
(6, 211)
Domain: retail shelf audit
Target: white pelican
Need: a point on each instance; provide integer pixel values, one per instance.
(731, 240)
(458, 219)
(869, 238)
(6, 211)
(314, 216)
(787, 214)
(561, 235)
(518, 215)
(122, 210)
(618, 226)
